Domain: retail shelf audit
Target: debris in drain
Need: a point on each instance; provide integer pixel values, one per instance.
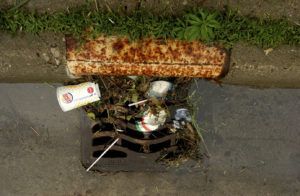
(151, 121)
(183, 114)
(137, 103)
(75, 96)
(145, 114)
(159, 89)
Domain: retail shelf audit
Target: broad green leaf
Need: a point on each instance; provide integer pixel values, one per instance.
(211, 17)
(203, 15)
(214, 24)
(190, 33)
(193, 22)
(180, 22)
(193, 17)
(194, 33)
(181, 34)
(210, 33)
(204, 35)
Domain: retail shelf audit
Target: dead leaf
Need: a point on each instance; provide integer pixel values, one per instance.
(91, 115)
(134, 97)
(267, 51)
(128, 117)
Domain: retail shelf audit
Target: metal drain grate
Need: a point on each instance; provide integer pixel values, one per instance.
(129, 154)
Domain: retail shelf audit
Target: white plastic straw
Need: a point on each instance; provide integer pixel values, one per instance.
(137, 103)
(103, 153)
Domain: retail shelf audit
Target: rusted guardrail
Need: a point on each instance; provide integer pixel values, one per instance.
(149, 57)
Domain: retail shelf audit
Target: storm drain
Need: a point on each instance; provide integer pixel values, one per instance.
(131, 153)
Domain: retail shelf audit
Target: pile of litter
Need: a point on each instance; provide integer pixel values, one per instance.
(139, 106)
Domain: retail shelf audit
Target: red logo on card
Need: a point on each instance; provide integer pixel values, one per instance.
(90, 90)
(67, 98)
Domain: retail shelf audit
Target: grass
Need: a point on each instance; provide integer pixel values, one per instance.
(225, 28)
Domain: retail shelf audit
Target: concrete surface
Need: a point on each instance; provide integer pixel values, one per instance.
(41, 58)
(252, 66)
(253, 136)
(289, 9)
(32, 58)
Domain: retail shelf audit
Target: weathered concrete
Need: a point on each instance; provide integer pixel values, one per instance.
(41, 58)
(289, 9)
(253, 66)
(252, 135)
(274, 9)
(32, 58)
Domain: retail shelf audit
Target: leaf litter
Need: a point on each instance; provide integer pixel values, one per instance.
(117, 93)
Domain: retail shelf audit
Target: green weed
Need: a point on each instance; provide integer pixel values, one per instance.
(224, 28)
(200, 25)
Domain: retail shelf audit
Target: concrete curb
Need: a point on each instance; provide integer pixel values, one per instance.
(32, 58)
(253, 66)
(41, 58)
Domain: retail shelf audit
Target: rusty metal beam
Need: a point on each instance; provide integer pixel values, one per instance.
(150, 57)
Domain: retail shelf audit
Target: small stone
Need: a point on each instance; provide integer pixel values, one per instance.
(57, 61)
(46, 57)
(55, 52)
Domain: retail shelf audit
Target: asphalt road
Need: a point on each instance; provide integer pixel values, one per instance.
(253, 136)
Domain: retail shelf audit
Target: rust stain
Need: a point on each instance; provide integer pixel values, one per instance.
(118, 46)
(118, 56)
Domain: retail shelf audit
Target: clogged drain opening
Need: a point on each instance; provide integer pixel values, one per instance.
(132, 146)
(110, 154)
(115, 119)
(159, 147)
(98, 127)
(101, 141)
